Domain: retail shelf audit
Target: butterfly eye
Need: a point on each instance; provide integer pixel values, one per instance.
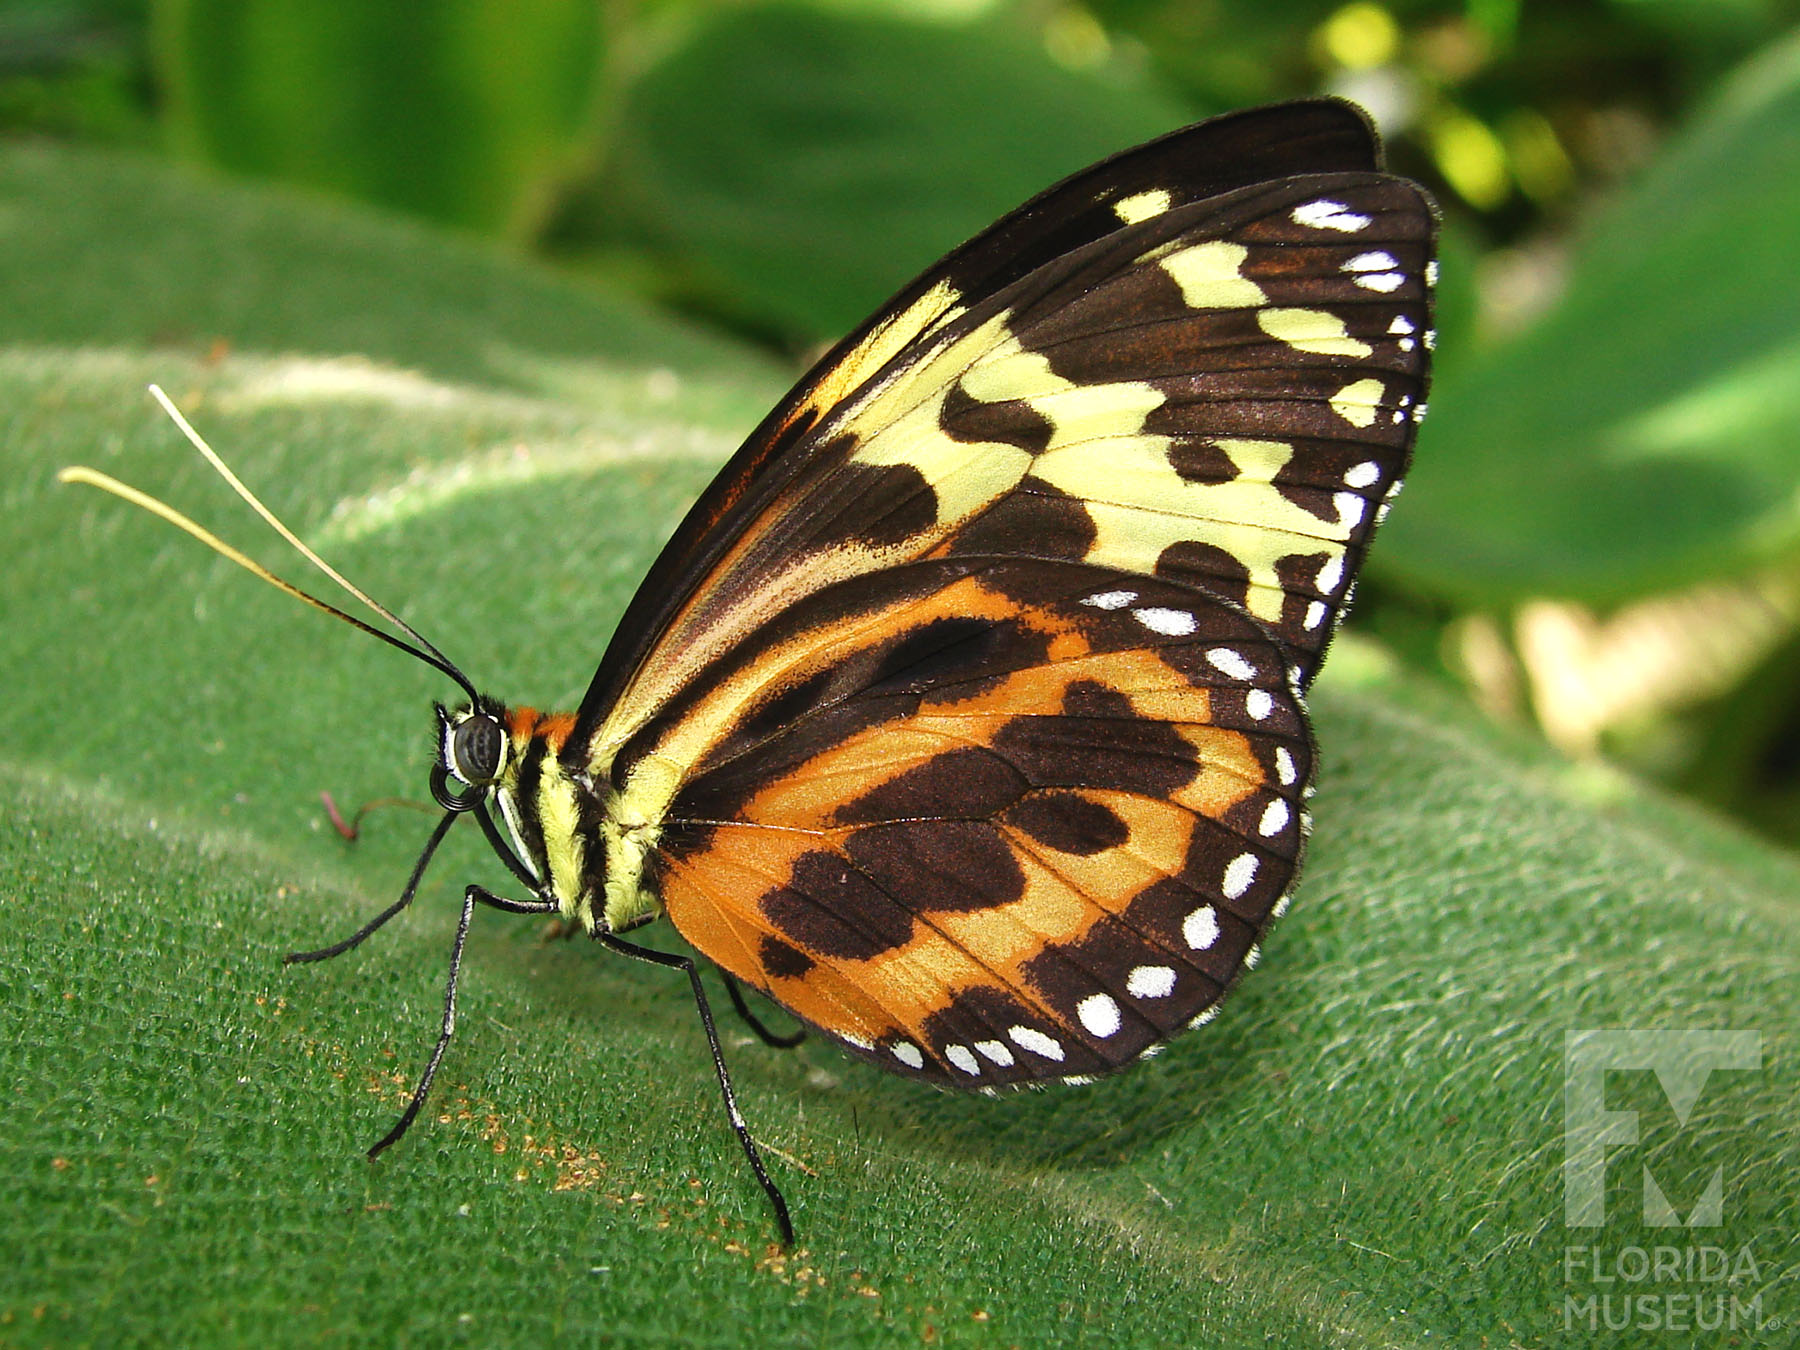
(477, 749)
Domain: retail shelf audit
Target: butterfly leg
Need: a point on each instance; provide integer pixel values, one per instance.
(448, 1027)
(406, 898)
(670, 961)
(769, 1038)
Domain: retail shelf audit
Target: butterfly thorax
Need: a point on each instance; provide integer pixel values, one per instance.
(576, 836)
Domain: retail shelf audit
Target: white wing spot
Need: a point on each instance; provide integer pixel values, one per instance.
(1258, 702)
(1142, 205)
(1201, 928)
(1376, 271)
(1315, 615)
(1027, 1038)
(1110, 599)
(908, 1054)
(1099, 1014)
(1274, 819)
(1205, 1016)
(860, 1042)
(1402, 326)
(1407, 344)
(1168, 622)
(1281, 906)
(1350, 508)
(1362, 475)
(1151, 982)
(996, 1051)
(1419, 413)
(1229, 661)
(1331, 574)
(1431, 272)
(959, 1055)
(1326, 215)
(1431, 339)
(1285, 769)
(1251, 957)
(1239, 873)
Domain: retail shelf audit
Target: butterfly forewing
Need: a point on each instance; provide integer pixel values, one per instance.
(1317, 136)
(998, 821)
(1216, 396)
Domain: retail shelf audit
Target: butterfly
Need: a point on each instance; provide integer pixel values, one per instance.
(962, 717)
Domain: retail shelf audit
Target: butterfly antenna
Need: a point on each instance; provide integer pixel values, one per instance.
(420, 647)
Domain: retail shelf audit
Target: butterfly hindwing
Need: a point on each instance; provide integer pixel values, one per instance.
(995, 822)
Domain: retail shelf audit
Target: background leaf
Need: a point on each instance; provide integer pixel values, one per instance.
(1365, 1150)
(795, 165)
(419, 107)
(1642, 435)
(206, 269)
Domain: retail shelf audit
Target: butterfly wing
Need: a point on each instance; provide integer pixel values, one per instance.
(1215, 395)
(995, 820)
(1144, 468)
(1197, 162)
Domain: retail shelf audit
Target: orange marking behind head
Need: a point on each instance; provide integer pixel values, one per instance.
(526, 724)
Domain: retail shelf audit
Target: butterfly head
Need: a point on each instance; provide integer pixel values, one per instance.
(509, 757)
(474, 745)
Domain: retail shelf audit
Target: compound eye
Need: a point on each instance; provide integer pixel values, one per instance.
(476, 748)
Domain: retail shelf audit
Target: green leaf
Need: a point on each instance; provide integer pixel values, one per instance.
(1366, 1149)
(799, 164)
(463, 112)
(1646, 433)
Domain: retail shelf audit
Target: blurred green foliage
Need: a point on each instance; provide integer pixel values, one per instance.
(418, 107)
